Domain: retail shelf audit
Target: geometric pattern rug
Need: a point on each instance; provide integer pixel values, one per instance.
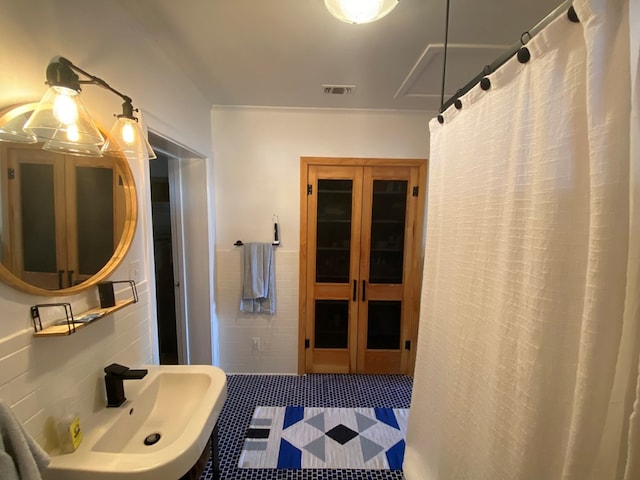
(297, 437)
(246, 392)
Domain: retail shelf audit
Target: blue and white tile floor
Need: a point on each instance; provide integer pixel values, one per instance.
(246, 392)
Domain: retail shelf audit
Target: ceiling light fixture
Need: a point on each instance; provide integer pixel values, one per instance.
(360, 11)
(64, 124)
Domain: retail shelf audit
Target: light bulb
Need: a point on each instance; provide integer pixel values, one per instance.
(72, 133)
(64, 106)
(360, 11)
(128, 133)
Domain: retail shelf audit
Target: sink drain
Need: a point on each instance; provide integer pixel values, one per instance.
(152, 439)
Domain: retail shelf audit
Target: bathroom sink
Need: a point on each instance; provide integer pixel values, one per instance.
(158, 433)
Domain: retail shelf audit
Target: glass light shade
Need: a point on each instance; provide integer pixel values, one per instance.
(11, 124)
(360, 11)
(62, 117)
(126, 137)
(70, 148)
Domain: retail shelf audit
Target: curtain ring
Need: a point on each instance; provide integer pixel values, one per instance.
(523, 36)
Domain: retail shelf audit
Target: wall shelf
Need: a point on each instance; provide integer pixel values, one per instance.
(71, 324)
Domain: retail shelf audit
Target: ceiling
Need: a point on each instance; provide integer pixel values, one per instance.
(282, 52)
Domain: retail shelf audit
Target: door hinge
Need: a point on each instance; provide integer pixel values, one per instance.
(306, 343)
(416, 189)
(407, 345)
(11, 173)
(309, 189)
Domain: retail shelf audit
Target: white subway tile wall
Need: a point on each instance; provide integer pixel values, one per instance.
(278, 334)
(40, 378)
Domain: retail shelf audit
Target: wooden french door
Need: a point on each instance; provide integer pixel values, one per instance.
(333, 268)
(362, 225)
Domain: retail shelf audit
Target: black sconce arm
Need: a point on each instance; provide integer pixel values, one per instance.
(62, 72)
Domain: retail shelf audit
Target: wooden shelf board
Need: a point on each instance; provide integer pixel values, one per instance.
(63, 330)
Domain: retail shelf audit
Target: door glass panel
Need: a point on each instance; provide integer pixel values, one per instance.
(383, 327)
(94, 196)
(333, 231)
(387, 231)
(331, 324)
(38, 218)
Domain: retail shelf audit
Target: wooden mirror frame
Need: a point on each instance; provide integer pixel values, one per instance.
(121, 249)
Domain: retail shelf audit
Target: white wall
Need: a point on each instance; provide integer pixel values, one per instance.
(257, 173)
(37, 374)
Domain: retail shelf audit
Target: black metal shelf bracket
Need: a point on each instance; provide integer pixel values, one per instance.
(134, 289)
(37, 321)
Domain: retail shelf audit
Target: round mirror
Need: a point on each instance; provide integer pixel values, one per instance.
(67, 220)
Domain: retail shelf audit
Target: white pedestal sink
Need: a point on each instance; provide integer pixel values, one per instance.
(180, 403)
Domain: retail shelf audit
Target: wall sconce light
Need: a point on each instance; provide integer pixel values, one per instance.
(11, 125)
(64, 124)
(360, 11)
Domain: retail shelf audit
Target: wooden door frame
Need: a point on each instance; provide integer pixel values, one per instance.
(416, 253)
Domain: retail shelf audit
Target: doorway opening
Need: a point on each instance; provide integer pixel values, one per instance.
(163, 259)
(182, 245)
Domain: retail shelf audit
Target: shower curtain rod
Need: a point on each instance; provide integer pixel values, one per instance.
(488, 69)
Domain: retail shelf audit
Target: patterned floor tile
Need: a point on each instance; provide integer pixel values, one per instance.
(245, 392)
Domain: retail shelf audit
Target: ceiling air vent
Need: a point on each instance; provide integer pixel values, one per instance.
(338, 89)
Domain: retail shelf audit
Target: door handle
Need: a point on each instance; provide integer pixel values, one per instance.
(355, 290)
(364, 290)
(70, 276)
(60, 274)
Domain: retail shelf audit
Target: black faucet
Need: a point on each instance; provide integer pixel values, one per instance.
(113, 380)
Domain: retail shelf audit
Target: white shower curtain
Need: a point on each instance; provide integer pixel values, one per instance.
(632, 442)
(528, 252)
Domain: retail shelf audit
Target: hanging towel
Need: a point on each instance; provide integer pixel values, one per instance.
(21, 458)
(259, 280)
